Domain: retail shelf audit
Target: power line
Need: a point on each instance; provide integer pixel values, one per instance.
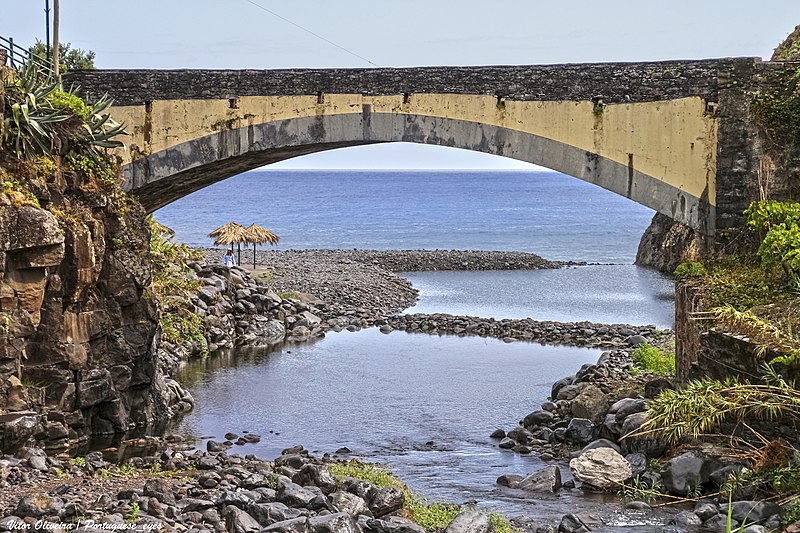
(318, 36)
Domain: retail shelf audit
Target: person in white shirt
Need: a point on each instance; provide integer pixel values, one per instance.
(228, 258)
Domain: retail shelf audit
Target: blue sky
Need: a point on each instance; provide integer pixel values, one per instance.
(240, 34)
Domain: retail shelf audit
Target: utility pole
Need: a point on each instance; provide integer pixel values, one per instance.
(56, 69)
(47, 29)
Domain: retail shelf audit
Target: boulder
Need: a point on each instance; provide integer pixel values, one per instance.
(602, 468)
(238, 521)
(263, 331)
(386, 500)
(686, 472)
(579, 431)
(590, 404)
(334, 523)
(294, 495)
(546, 480)
(572, 524)
(345, 502)
(538, 418)
(753, 512)
(295, 525)
(509, 480)
(470, 522)
(390, 524)
(600, 443)
(647, 444)
(638, 462)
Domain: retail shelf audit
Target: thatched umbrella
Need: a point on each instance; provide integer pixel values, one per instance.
(229, 234)
(255, 234)
(161, 228)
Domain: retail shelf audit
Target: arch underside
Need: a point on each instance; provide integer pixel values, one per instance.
(166, 176)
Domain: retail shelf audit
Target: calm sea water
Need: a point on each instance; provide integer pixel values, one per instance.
(553, 215)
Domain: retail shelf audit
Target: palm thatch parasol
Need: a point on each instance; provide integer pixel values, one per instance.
(161, 228)
(256, 234)
(229, 234)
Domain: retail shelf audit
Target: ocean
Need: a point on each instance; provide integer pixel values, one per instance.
(547, 213)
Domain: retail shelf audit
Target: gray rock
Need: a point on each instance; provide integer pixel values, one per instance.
(238, 521)
(538, 418)
(705, 510)
(272, 512)
(507, 443)
(602, 468)
(38, 506)
(686, 519)
(579, 431)
(334, 523)
(753, 512)
(572, 524)
(296, 525)
(160, 490)
(498, 434)
(647, 444)
(600, 443)
(628, 408)
(635, 340)
(718, 523)
(345, 502)
(590, 404)
(391, 524)
(546, 480)
(509, 480)
(560, 384)
(263, 331)
(294, 495)
(386, 500)
(686, 472)
(638, 462)
(470, 522)
(317, 475)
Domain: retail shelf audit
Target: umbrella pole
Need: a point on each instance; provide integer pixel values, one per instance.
(239, 251)
(254, 256)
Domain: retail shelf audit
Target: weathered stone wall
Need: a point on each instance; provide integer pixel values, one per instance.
(702, 351)
(613, 82)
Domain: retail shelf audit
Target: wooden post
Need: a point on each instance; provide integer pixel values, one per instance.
(56, 70)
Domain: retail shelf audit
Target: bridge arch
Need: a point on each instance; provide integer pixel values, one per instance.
(167, 175)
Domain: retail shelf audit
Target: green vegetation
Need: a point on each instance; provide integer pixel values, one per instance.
(19, 194)
(41, 118)
(79, 461)
(132, 515)
(174, 283)
(654, 360)
(432, 516)
(598, 107)
(776, 107)
(693, 269)
(780, 248)
(288, 295)
(68, 58)
(69, 102)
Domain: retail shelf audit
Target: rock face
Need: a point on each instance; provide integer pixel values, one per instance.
(80, 327)
(666, 244)
(603, 468)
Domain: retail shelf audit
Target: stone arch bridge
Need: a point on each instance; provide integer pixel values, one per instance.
(672, 136)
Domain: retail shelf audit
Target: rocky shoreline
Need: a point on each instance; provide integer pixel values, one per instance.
(304, 295)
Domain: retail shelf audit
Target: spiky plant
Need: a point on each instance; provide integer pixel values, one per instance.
(40, 116)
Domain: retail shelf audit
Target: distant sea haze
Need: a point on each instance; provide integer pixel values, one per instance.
(547, 213)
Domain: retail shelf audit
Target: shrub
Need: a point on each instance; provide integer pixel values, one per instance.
(654, 360)
(71, 102)
(780, 249)
(693, 269)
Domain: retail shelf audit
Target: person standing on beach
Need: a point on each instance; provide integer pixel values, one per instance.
(228, 258)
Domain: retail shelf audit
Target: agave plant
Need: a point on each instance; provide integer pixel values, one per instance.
(35, 116)
(29, 117)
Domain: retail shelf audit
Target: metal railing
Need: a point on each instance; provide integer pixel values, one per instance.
(18, 56)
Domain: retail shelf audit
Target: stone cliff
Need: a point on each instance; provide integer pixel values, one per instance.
(80, 326)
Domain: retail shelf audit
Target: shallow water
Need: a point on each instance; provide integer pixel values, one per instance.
(424, 405)
(598, 293)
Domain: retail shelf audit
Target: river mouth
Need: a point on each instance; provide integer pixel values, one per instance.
(423, 405)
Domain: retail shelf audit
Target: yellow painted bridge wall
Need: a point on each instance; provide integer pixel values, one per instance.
(673, 141)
